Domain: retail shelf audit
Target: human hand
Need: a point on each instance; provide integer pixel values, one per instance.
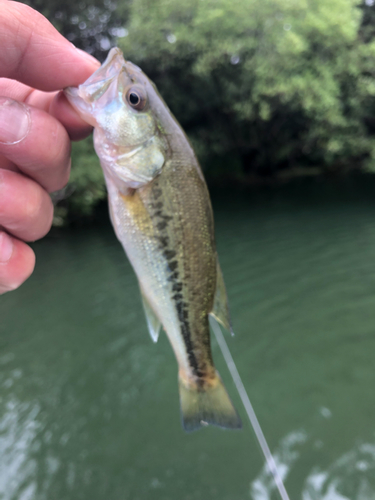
(36, 126)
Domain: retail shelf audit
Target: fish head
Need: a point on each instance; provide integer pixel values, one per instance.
(115, 100)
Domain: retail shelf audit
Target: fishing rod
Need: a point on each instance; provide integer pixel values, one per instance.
(249, 409)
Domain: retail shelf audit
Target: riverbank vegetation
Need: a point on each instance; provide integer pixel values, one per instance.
(263, 88)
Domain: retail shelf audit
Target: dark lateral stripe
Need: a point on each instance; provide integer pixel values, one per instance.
(163, 240)
(182, 310)
(169, 254)
(173, 265)
(182, 313)
(162, 220)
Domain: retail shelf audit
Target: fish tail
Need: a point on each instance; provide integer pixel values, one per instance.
(207, 403)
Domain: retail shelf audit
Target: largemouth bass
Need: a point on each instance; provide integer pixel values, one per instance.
(161, 213)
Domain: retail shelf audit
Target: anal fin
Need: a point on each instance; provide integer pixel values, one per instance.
(153, 322)
(220, 309)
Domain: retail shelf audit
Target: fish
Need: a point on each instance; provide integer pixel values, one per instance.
(161, 212)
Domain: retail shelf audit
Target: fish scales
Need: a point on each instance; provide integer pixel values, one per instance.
(186, 275)
(161, 212)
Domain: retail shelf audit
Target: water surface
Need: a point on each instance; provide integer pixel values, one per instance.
(89, 405)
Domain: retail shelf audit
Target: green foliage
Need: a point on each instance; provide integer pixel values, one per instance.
(261, 84)
(86, 185)
(87, 177)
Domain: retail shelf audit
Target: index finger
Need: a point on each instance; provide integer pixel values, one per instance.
(33, 51)
(53, 103)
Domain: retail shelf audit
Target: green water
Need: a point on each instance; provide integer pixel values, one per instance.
(89, 405)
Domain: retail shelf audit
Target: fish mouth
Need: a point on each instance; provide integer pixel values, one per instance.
(109, 70)
(84, 97)
(111, 79)
(99, 82)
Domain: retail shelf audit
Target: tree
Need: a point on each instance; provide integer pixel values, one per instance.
(263, 85)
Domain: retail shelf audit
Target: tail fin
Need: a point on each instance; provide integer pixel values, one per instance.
(201, 406)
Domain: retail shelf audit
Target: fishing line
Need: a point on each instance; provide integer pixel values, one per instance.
(249, 409)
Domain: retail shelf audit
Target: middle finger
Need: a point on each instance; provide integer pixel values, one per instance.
(54, 103)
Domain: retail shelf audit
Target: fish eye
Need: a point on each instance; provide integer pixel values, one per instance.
(136, 98)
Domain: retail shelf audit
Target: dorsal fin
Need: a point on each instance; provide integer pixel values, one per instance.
(153, 322)
(220, 310)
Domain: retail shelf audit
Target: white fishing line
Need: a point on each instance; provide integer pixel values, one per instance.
(249, 409)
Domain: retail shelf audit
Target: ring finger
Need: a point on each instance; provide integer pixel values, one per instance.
(26, 210)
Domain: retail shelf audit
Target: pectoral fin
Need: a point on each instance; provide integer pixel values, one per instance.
(220, 310)
(153, 322)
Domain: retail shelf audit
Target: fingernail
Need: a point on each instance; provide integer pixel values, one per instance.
(87, 56)
(6, 247)
(14, 121)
